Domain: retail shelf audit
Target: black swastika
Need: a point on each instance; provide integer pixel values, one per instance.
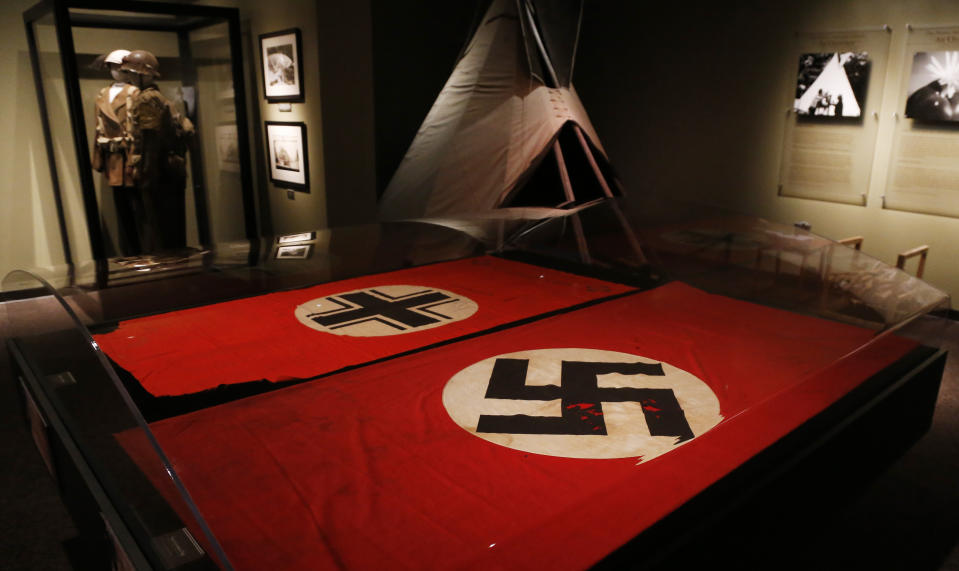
(582, 400)
(395, 312)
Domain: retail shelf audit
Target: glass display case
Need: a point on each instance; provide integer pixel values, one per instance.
(461, 393)
(192, 187)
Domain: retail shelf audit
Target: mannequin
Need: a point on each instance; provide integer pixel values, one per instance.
(159, 145)
(111, 151)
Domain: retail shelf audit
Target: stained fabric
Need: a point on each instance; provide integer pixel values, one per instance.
(191, 350)
(365, 469)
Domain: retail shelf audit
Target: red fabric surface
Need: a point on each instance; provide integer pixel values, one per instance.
(257, 338)
(365, 469)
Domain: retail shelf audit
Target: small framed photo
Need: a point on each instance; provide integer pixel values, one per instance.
(832, 86)
(282, 59)
(297, 252)
(294, 238)
(286, 153)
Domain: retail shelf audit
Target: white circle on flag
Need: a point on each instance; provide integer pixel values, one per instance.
(581, 403)
(384, 310)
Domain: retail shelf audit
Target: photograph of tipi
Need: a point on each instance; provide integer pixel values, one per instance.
(934, 87)
(832, 85)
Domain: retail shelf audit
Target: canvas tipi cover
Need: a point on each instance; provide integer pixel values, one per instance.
(494, 120)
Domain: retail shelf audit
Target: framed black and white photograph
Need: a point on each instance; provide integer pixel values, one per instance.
(832, 85)
(294, 238)
(933, 92)
(286, 153)
(297, 252)
(282, 60)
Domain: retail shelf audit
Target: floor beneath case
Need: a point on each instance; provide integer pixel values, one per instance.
(905, 516)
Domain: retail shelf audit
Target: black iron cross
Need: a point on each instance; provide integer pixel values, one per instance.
(582, 400)
(368, 307)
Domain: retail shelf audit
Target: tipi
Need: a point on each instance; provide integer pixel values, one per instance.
(508, 128)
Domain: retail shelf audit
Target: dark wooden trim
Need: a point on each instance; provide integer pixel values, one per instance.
(242, 125)
(197, 174)
(193, 10)
(85, 20)
(30, 17)
(37, 11)
(68, 58)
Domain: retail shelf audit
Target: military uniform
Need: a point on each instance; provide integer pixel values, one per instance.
(112, 139)
(111, 152)
(160, 136)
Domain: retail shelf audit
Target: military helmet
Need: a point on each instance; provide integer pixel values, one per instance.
(116, 56)
(103, 61)
(141, 62)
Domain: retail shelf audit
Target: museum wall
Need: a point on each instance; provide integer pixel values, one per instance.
(29, 234)
(337, 110)
(690, 100)
(307, 210)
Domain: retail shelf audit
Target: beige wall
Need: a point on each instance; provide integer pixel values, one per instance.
(29, 234)
(337, 110)
(307, 210)
(692, 103)
(336, 45)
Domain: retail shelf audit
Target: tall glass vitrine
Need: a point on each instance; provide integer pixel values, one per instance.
(198, 49)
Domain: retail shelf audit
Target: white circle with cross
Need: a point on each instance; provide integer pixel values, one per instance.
(384, 310)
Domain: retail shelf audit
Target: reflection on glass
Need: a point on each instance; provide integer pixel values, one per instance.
(51, 76)
(740, 257)
(89, 408)
(165, 147)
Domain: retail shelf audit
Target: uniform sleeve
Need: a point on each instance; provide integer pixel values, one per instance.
(96, 157)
